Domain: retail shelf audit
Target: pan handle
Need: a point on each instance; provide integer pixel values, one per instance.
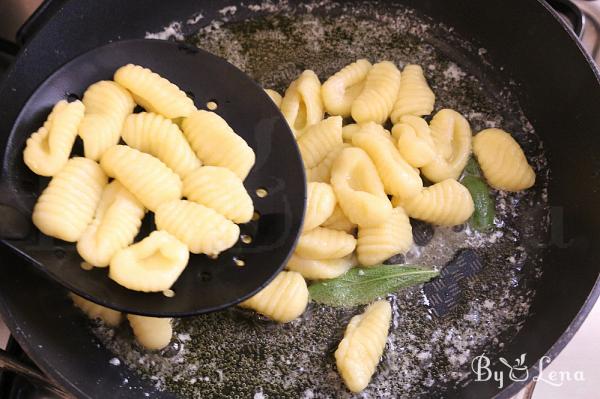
(8, 363)
(573, 13)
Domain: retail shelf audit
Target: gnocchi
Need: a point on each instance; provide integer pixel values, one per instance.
(146, 177)
(415, 143)
(339, 221)
(502, 161)
(358, 188)
(446, 203)
(320, 204)
(274, 96)
(202, 229)
(414, 97)
(301, 105)
(313, 269)
(452, 136)
(151, 265)
(47, 150)
(358, 354)
(322, 172)
(67, 205)
(377, 98)
(158, 136)
(153, 92)
(107, 104)
(321, 243)
(110, 317)
(152, 333)
(283, 300)
(319, 140)
(220, 189)
(398, 177)
(341, 89)
(208, 134)
(116, 223)
(378, 243)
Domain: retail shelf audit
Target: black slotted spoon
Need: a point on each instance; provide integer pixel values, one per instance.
(206, 284)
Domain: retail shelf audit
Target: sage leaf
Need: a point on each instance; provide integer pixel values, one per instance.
(360, 286)
(485, 205)
(472, 168)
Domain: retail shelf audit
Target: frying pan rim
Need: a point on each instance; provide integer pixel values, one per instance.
(506, 393)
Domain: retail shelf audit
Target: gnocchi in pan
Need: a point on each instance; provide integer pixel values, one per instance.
(418, 165)
(188, 166)
(359, 351)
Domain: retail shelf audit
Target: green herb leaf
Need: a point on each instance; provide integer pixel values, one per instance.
(472, 168)
(485, 206)
(360, 286)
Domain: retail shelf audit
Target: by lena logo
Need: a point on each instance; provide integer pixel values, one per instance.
(518, 371)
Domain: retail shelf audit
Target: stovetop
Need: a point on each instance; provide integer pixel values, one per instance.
(12, 386)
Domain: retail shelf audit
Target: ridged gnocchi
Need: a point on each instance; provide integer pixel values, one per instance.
(209, 134)
(414, 97)
(341, 89)
(339, 221)
(220, 189)
(358, 354)
(397, 176)
(146, 177)
(274, 96)
(202, 229)
(67, 205)
(378, 243)
(321, 243)
(110, 317)
(323, 269)
(107, 104)
(301, 105)
(151, 265)
(379, 94)
(319, 140)
(415, 143)
(322, 172)
(283, 299)
(152, 333)
(502, 161)
(359, 189)
(320, 203)
(153, 92)
(350, 130)
(47, 150)
(116, 223)
(158, 136)
(446, 203)
(452, 136)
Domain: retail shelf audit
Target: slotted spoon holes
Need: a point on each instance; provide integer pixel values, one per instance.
(212, 105)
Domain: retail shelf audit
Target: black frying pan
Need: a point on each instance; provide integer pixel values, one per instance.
(556, 85)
